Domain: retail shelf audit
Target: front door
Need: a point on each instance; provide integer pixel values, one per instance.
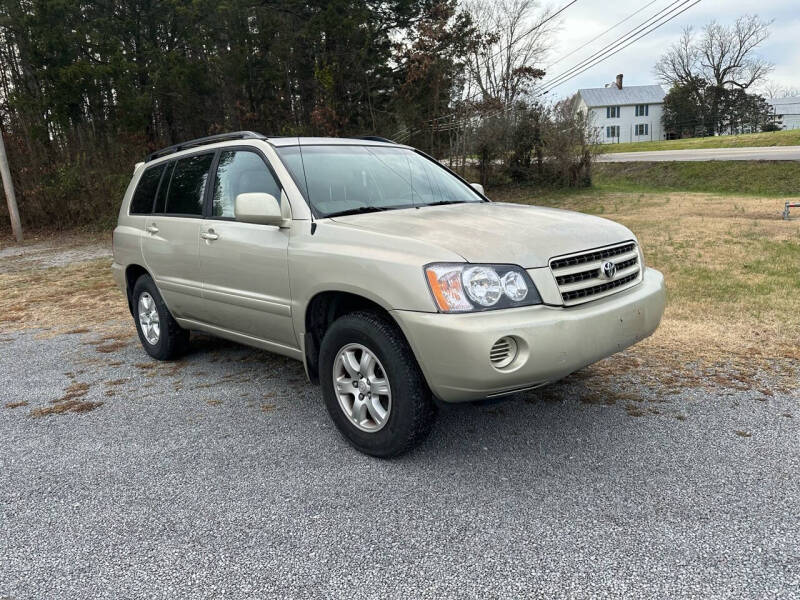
(171, 240)
(244, 266)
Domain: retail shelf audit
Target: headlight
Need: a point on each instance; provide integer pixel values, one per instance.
(469, 288)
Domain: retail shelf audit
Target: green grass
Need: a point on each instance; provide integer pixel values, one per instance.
(773, 138)
(741, 178)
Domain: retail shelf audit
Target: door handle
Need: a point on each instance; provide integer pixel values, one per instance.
(152, 228)
(209, 235)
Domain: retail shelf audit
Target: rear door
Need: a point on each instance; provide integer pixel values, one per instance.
(172, 234)
(244, 266)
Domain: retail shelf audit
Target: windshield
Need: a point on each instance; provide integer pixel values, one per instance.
(351, 179)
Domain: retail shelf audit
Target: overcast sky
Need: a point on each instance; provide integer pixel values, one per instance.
(588, 18)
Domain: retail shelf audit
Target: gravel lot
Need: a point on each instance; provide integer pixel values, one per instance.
(221, 476)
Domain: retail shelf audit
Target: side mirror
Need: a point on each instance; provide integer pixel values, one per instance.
(478, 188)
(258, 207)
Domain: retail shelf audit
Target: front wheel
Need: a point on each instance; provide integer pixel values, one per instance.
(372, 385)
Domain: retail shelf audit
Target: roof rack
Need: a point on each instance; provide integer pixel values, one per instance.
(211, 139)
(375, 138)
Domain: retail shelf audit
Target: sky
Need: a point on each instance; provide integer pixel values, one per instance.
(588, 18)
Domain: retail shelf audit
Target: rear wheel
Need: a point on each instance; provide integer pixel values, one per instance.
(160, 335)
(372, 385)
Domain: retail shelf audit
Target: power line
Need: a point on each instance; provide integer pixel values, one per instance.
(513, 42)
(597, 37)
(623, 40)
(597, 58)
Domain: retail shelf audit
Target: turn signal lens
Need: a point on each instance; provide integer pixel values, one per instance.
(445, 283)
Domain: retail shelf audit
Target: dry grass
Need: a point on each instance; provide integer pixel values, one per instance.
(60, 299)
(732, 268)
(72, 401)
(74, 406)
(16, 404)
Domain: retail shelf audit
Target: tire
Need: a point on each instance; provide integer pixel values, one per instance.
(410, 411)
(172, 340)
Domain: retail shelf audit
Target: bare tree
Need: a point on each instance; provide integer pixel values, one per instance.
(774, 89)
(509, 56)
(721, 55)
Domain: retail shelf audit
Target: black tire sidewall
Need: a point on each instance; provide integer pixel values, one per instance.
(169, 344)
(409, 390)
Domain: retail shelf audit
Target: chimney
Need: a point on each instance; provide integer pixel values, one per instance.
(619, 81)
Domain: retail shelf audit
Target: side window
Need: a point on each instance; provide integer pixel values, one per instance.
(188, 184)
(240, 172)
(142, 201)
(161, 198)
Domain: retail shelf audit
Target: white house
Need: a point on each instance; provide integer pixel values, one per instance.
(786, 111)
(624, 114)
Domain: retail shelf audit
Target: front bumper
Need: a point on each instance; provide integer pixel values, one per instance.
(453, 349)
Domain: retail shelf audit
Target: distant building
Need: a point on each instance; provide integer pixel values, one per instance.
(786, 111)
(624, 114)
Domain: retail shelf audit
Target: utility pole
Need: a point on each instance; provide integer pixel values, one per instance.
(8, 186)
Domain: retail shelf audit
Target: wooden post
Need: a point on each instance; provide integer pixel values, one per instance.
(8, 186)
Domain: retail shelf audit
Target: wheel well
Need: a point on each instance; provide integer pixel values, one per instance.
(321, 312)
(132, 273)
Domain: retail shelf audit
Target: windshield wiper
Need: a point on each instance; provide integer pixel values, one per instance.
(443, 202)
(358, 211)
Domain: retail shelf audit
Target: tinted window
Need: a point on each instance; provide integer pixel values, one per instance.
(240, 172)
(188, 184)
(161, 199)
(142, 201)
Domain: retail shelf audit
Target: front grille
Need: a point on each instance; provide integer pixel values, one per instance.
(580, 276)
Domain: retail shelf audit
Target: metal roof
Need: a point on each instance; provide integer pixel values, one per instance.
(613, 96)
(787, 100)
(785, 106)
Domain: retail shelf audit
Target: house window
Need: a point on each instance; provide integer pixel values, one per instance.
(612, 131)
(612, 112)
(642, 110)
(642, 129)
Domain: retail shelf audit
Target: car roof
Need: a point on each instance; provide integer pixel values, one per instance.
(330, 141)
(213, 141)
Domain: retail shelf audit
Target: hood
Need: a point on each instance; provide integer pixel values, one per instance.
(496, 232)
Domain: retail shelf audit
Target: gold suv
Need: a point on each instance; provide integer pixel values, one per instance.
(396, 282)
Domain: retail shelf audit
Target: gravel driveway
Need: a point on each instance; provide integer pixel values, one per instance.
(221, 476)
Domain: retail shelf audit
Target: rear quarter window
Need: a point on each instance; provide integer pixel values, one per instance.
(143, 197)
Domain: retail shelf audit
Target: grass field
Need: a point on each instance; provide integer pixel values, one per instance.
(732, 267)
(752, 178)
(773, 138)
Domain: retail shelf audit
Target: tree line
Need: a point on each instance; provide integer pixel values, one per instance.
(89, 88)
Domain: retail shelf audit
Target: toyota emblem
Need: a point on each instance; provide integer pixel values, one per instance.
(609, 269)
